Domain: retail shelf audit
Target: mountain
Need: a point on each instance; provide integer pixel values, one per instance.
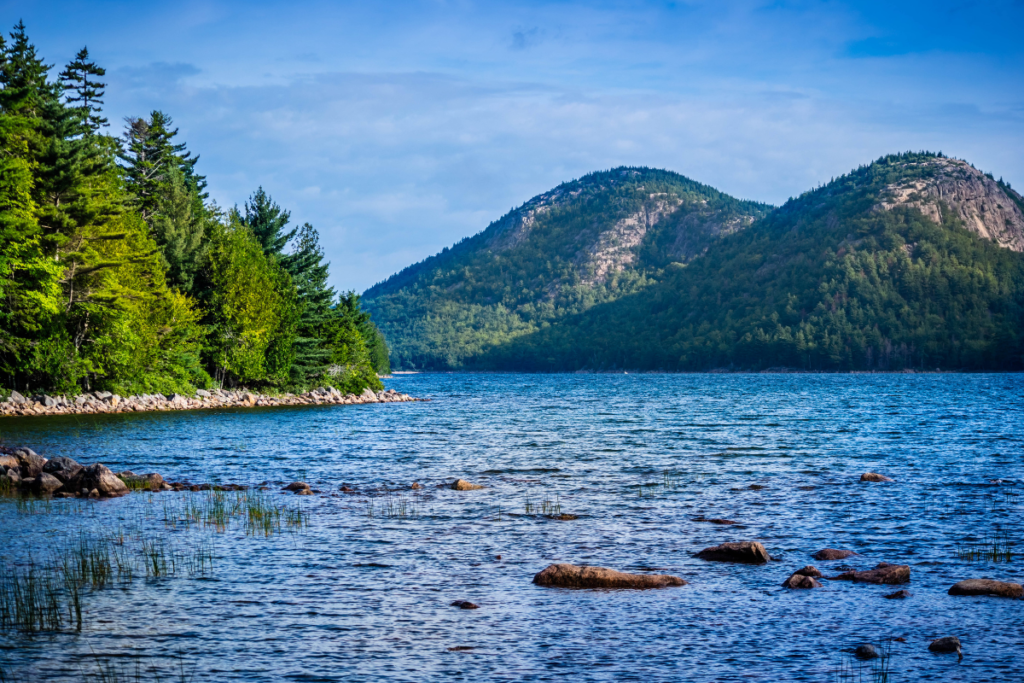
(911, 262)
(586, 242)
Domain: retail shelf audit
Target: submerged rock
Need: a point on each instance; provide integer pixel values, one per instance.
(465, 604)
(571, 576)
(946, 645)
(832, 554)
(884, 573)
(745, 552)
(714, 520)
(898, 595)
(866, 651)
(874, 476)
(296, 486)
(999, 589)
(463, 485)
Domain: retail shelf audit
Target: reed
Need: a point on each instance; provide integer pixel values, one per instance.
(545, 507)
(997, 548)
(852, 670)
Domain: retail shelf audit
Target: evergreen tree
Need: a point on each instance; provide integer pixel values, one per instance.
(148, 154)
(82, 93)
(179, 226)
(316, 297)
(266, 221)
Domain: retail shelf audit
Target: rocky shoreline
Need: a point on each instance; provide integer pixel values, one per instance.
(105, 402)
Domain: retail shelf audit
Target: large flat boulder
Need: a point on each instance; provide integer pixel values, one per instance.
(744, 552)
(100, 478)
(999, 589)
(884, 573)
(571, 576)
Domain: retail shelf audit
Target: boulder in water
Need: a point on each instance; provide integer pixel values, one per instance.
(463, 485)
(866, 651)
(46, 483)
(98, 479)
(29, 462)
(946, 645)
(465, 604)
(832, 554)
(898, 595)
(884, 573)
(63, 468)
(744, 552)
(571, 576)
(999, 589)
(296, 486)
(874, 476)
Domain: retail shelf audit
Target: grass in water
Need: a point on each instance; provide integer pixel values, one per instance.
(993, 549)
(878, 670)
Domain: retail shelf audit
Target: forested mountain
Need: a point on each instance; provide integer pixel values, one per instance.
(913, 261)
(587, 242)
(118, 273)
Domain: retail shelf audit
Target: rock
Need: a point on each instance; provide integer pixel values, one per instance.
(296, 486)
(63, 468)
(571, 576)
(202, 393)
(8, 461)
(884, 573)
(347, 489)
(115, 400)
(714, 520)
(463, 485)
(832, 554)
(898, 595)
(99, 479)
(756, 487)
(945, 645)
(102, 395)
(46, 483)
(415, 486)
(874, 476)
(866, 651)
(798, 580)
(49, 402)
(998, 589)
(746, 552)
(304, 492)
(368, 396)
(151, 481)
(465, 604)
(16, 397)
(29, 462)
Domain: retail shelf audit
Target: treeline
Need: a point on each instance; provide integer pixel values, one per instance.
(826, 282)
(117, 272)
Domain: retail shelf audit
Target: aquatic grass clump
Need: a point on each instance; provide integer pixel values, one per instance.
(877, 670)
(997, 548)
(393, 506)
(545, 507)
(260, 515)
(34, 599)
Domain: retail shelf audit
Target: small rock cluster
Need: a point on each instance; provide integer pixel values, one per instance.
(106, 402)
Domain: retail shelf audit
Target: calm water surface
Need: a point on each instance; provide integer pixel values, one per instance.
(356, 597)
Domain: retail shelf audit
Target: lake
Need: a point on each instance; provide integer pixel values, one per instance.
(361, 588)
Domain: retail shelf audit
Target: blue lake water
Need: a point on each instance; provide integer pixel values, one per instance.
(363, 593)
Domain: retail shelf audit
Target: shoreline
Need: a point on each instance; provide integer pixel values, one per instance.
(101, 402)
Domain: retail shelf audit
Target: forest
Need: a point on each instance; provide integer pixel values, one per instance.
(119, 273)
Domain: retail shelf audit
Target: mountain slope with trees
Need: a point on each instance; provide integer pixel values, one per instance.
(118, 273)
(911, 262)
(587, 242)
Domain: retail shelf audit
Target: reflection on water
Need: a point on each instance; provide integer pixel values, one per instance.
(362, 591)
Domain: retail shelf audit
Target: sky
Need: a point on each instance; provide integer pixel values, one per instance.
(398, 128)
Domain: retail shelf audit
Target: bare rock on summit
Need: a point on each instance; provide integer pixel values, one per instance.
(884, 573)
(571, 576)
(744, 552)
(987, 208)
(999, 589)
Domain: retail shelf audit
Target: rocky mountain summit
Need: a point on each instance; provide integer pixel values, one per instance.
(989, 208)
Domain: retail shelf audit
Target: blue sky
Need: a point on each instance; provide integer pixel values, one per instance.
(399, 128)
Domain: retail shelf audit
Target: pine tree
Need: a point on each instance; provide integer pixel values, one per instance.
(266, 221)
(312, 357)
(179, 226)
(82, 93)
